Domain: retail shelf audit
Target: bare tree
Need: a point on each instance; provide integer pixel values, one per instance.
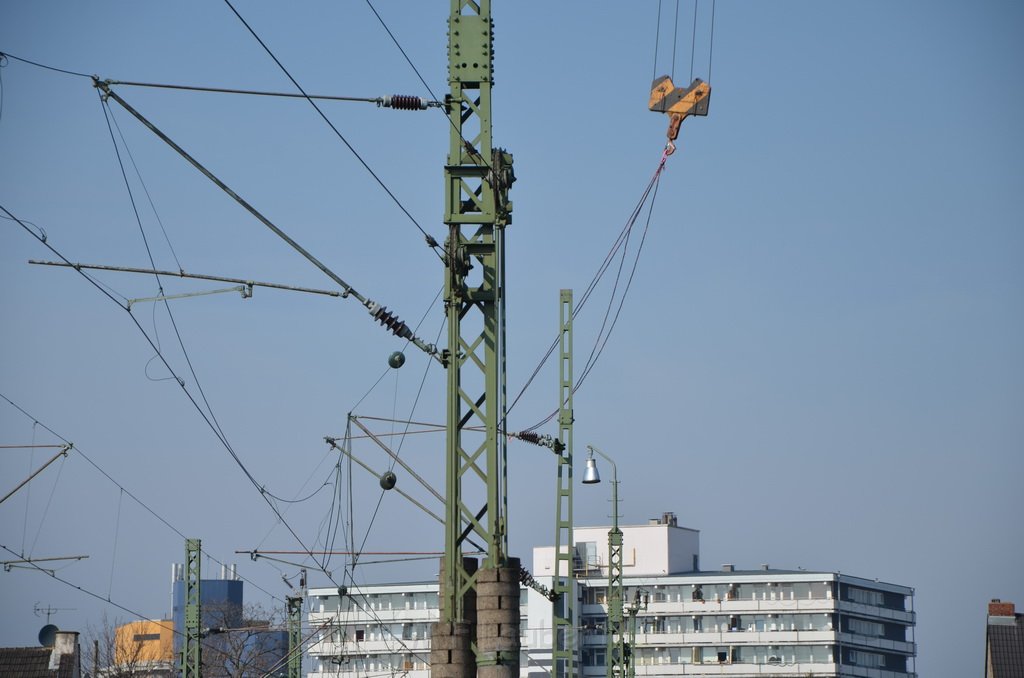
(114, 650)
(246, 643)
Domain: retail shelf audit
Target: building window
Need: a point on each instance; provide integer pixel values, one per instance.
(866, 628)
(865, 596)
(868, 659)
(594, 657)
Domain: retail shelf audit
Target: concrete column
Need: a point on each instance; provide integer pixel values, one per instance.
(497, 629)
(451, 644)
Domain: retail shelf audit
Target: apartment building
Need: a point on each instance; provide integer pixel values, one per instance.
(687, 621)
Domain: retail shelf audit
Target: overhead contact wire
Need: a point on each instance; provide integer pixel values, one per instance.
(430, 240)
(49, 68)
(121, 487)
(214, 428)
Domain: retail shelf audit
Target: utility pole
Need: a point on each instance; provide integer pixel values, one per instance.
(295, 636)
(563, 635)
(477, 210)
(615, 644)
(639, 604)
(191, 651)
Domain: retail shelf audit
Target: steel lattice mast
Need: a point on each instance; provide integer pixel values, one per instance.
(563, 636)
(191, 649)
(477, 210)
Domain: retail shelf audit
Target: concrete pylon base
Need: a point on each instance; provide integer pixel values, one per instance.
(497, 617)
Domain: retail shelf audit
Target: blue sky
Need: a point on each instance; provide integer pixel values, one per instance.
(820, 362)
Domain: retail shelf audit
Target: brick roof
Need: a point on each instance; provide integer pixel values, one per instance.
(32, 662)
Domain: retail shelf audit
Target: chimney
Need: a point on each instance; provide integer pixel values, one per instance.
(997, 608)
(65, 644)
(728, 567)
(669, 518)
(765, 566)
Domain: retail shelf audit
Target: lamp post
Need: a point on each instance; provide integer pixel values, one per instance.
(615, 659)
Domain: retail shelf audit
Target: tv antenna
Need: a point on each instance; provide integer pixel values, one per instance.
(49, 611)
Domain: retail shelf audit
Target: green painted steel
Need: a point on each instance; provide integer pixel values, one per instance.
(632, 610)
(615, 656)
(294, 636)
(615, 659)
(563, 635)
(191, 650)
(477, 210)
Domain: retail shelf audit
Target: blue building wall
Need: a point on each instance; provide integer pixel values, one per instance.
(220, 601)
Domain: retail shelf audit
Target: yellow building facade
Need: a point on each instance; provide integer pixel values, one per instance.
(144, 642)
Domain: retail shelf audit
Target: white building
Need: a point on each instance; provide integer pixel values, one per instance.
(729, 622)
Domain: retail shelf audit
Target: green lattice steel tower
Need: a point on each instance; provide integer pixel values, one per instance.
(477, 178)
(563, 634)
(191, 650)
(294, 636)
(632, 610)
(615, 656)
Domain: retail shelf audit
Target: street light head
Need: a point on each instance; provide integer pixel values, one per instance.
(590, 474)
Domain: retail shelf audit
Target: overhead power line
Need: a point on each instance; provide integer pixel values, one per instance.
(207, 418)
(379, 312)
(49, 68)
(431, 242)
(400, 102)
(81, 453)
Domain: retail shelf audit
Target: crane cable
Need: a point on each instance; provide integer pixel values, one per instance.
(675, 40)
(624, 234)
(623, 237)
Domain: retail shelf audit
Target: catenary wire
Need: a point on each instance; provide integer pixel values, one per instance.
(28, 488)
(398, 451)
(465, 144)
(430, 240)
(252, 92)
(138, 615)
(108, 115)
(223, 440)
(145, 189)
(121, 487)
(3, 63)
(49, 68)
(113, 552)
(49, 502)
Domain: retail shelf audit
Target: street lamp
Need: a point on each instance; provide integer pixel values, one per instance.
(615, 659)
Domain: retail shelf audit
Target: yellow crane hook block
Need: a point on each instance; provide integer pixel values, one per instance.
(678, 103)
